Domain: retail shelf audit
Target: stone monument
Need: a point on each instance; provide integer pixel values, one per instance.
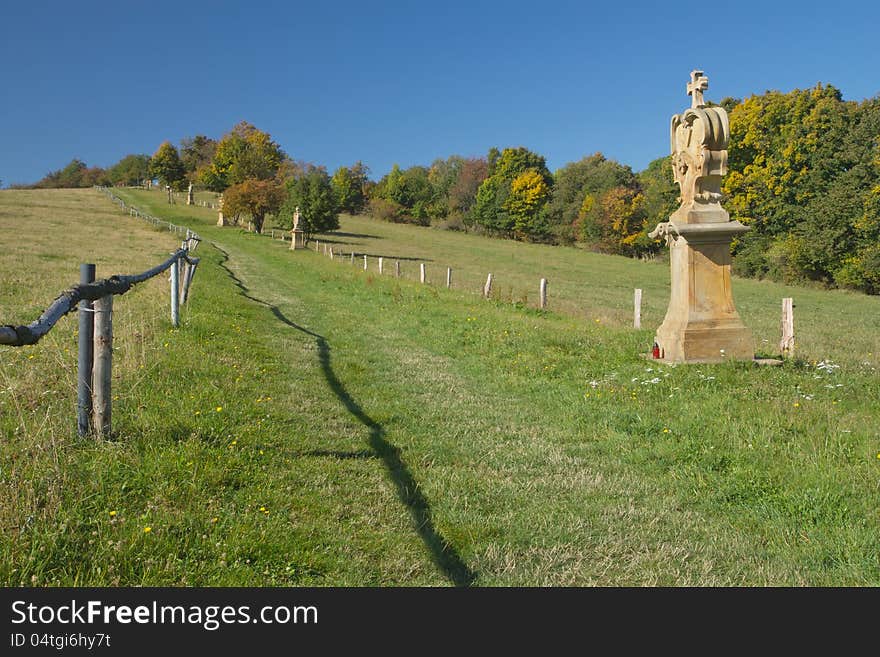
(189, 195)
(297, 236)
(701, 324)
(220, 220)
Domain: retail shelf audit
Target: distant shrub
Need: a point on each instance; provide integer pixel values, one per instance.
(380, 208)
(452, 222)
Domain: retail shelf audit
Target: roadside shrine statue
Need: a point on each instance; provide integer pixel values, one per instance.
(297, 235)
(701, 324)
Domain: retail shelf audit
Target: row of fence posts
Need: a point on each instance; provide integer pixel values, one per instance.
(423, 273)
(786, 344)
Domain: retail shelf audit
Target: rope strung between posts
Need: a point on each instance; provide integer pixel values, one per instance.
(18, 336)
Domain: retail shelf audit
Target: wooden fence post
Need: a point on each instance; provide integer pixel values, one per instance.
(397, 268)
(103, 365)
(331, 253)
(786, 345)
(448, 277)
(380, 266)
(487, 289)
(352, 257)
(637, 308)
(422, 275)
(84, 356)
(365, 262)
(542, 293)
(175, 293)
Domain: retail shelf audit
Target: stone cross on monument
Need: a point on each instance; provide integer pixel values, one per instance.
(701, 323)
(698, 84)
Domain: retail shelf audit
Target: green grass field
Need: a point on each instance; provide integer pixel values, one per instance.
(314, 424)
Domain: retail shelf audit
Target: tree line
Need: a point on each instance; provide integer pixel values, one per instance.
(804, 174)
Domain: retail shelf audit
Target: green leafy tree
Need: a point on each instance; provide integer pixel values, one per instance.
(659, 189)
(76, 174)
(313, 193)
(410, 190)
(615, 222)
(196, 153)
(491, 209)
(593, 175)
(529, 193)
(130, 170)
(349, 185)
(166, 166)
(244, 153)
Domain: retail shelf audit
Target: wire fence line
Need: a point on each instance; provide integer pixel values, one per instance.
(137, 212)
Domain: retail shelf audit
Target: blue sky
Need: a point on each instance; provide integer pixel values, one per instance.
(402, 82)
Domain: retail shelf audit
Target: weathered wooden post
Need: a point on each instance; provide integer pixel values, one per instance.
(331, 253)
(637, 308)
(352, 257)
(448, 277)
(487, 288)
(103, 366)
(85, 356)
(380, 265)
(542, 293)
(397, 268)
(786, 345)
(422, 276)
(175, 293)
(365, 262)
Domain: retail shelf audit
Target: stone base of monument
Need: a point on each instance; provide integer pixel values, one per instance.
(297, 239)
(702, 324)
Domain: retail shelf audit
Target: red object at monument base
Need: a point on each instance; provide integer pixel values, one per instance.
(655, 352)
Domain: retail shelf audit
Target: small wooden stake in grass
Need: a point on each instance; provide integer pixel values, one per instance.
(380, 266)
(487, 288)
(542, 293)
(103, 365)
(448, 277)
(85, 356)
(331, 253)
(637, 309)
(352, 257)
(365, 262)
(397, 268)
(422, 272)
(786, 345)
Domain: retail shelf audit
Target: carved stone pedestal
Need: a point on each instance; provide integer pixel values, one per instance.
(297, 239)
(702, 324)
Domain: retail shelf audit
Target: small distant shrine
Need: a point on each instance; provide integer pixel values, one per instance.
(297, 235)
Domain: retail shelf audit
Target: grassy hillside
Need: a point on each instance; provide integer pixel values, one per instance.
(313, 424)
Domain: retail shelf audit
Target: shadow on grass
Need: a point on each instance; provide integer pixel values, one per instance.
(409, 493)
